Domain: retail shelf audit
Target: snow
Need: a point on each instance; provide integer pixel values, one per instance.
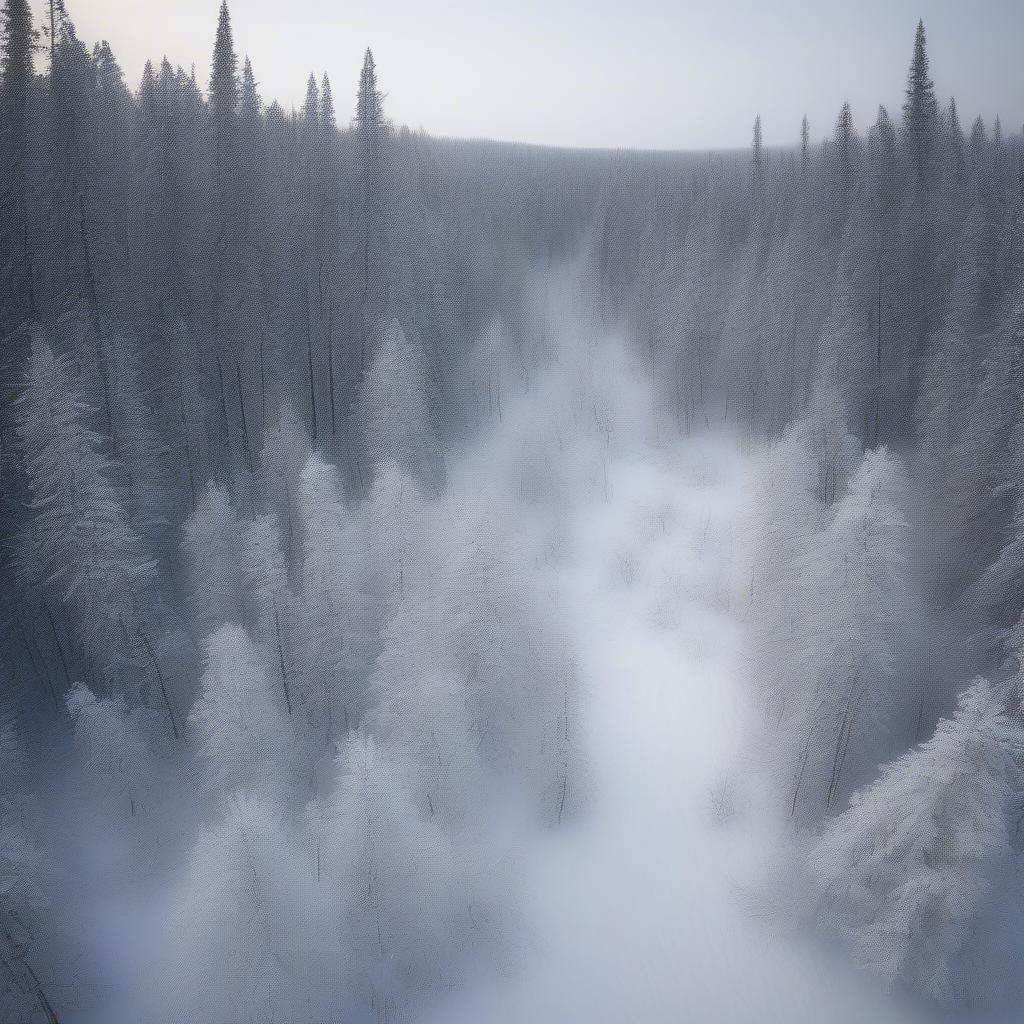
(633, 909)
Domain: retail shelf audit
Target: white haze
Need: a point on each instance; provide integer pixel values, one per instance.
(637, 910)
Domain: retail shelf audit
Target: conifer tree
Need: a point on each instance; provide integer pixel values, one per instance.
(213, 544)
(920, 114)
(90, 553)
(245, 879)
(16, 49)
(223, 97)
(394, 410)
(371, 131)
(327, 115)
(757, 155)
(913, 868)
(223, 229)
(241, 718)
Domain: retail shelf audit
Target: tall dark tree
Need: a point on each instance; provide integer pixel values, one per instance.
(920, 113)
(223, 220)
(841, 170)
(371, 131)
(223, 95)
(16, 76)
(887, 195)
(920, 142)
(329, 198)
(757, 152)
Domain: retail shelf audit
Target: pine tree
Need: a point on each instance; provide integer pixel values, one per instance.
(920, 114)
(277, 608)
(371, 131)
(241, 718)
(225, 259)
(944, 411)
(337, 620)
(119, 761)
(921, 281)
(393, 873)
(842, 158)
(394, 410)
(16, 76)
(223, 97)
(953, 135)
(311, 107)
(213, 542)
(89, 552)
(833, 609)
(246, 878)
(912, 869)
(327, 116)
(757, 156)
(887, 187)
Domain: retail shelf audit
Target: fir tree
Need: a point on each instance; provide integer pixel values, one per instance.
(912, 870)
(223, 93)
(920, 114)
(371, 137)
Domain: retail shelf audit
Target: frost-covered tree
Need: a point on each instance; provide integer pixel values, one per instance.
(994, 444)
(833, 632)
(372, 255)
(285, 452)
(477, 625)
(400, 910)
(213, 542)
(945, 409)
(911, 873)
(847, 346)
(396, 521)
(241, 720)
(338, 622)
(243, 935)
(277, 626)
(88, 551)
(394, 411)
(121, 766)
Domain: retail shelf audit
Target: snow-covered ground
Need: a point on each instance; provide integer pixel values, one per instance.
(634, 910)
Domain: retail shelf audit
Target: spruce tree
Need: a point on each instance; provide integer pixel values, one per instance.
(841, 170)
(224, 225)
(757, 152)
(887, 190)
(327, 116)
(954, 139)
(223, 92)
(311, 108)
(912, 871)
(371, 128)
(920, 113)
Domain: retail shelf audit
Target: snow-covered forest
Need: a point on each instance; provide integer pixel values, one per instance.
(462, 581)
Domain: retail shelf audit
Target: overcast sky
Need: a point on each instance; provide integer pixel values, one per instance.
(669, 74)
